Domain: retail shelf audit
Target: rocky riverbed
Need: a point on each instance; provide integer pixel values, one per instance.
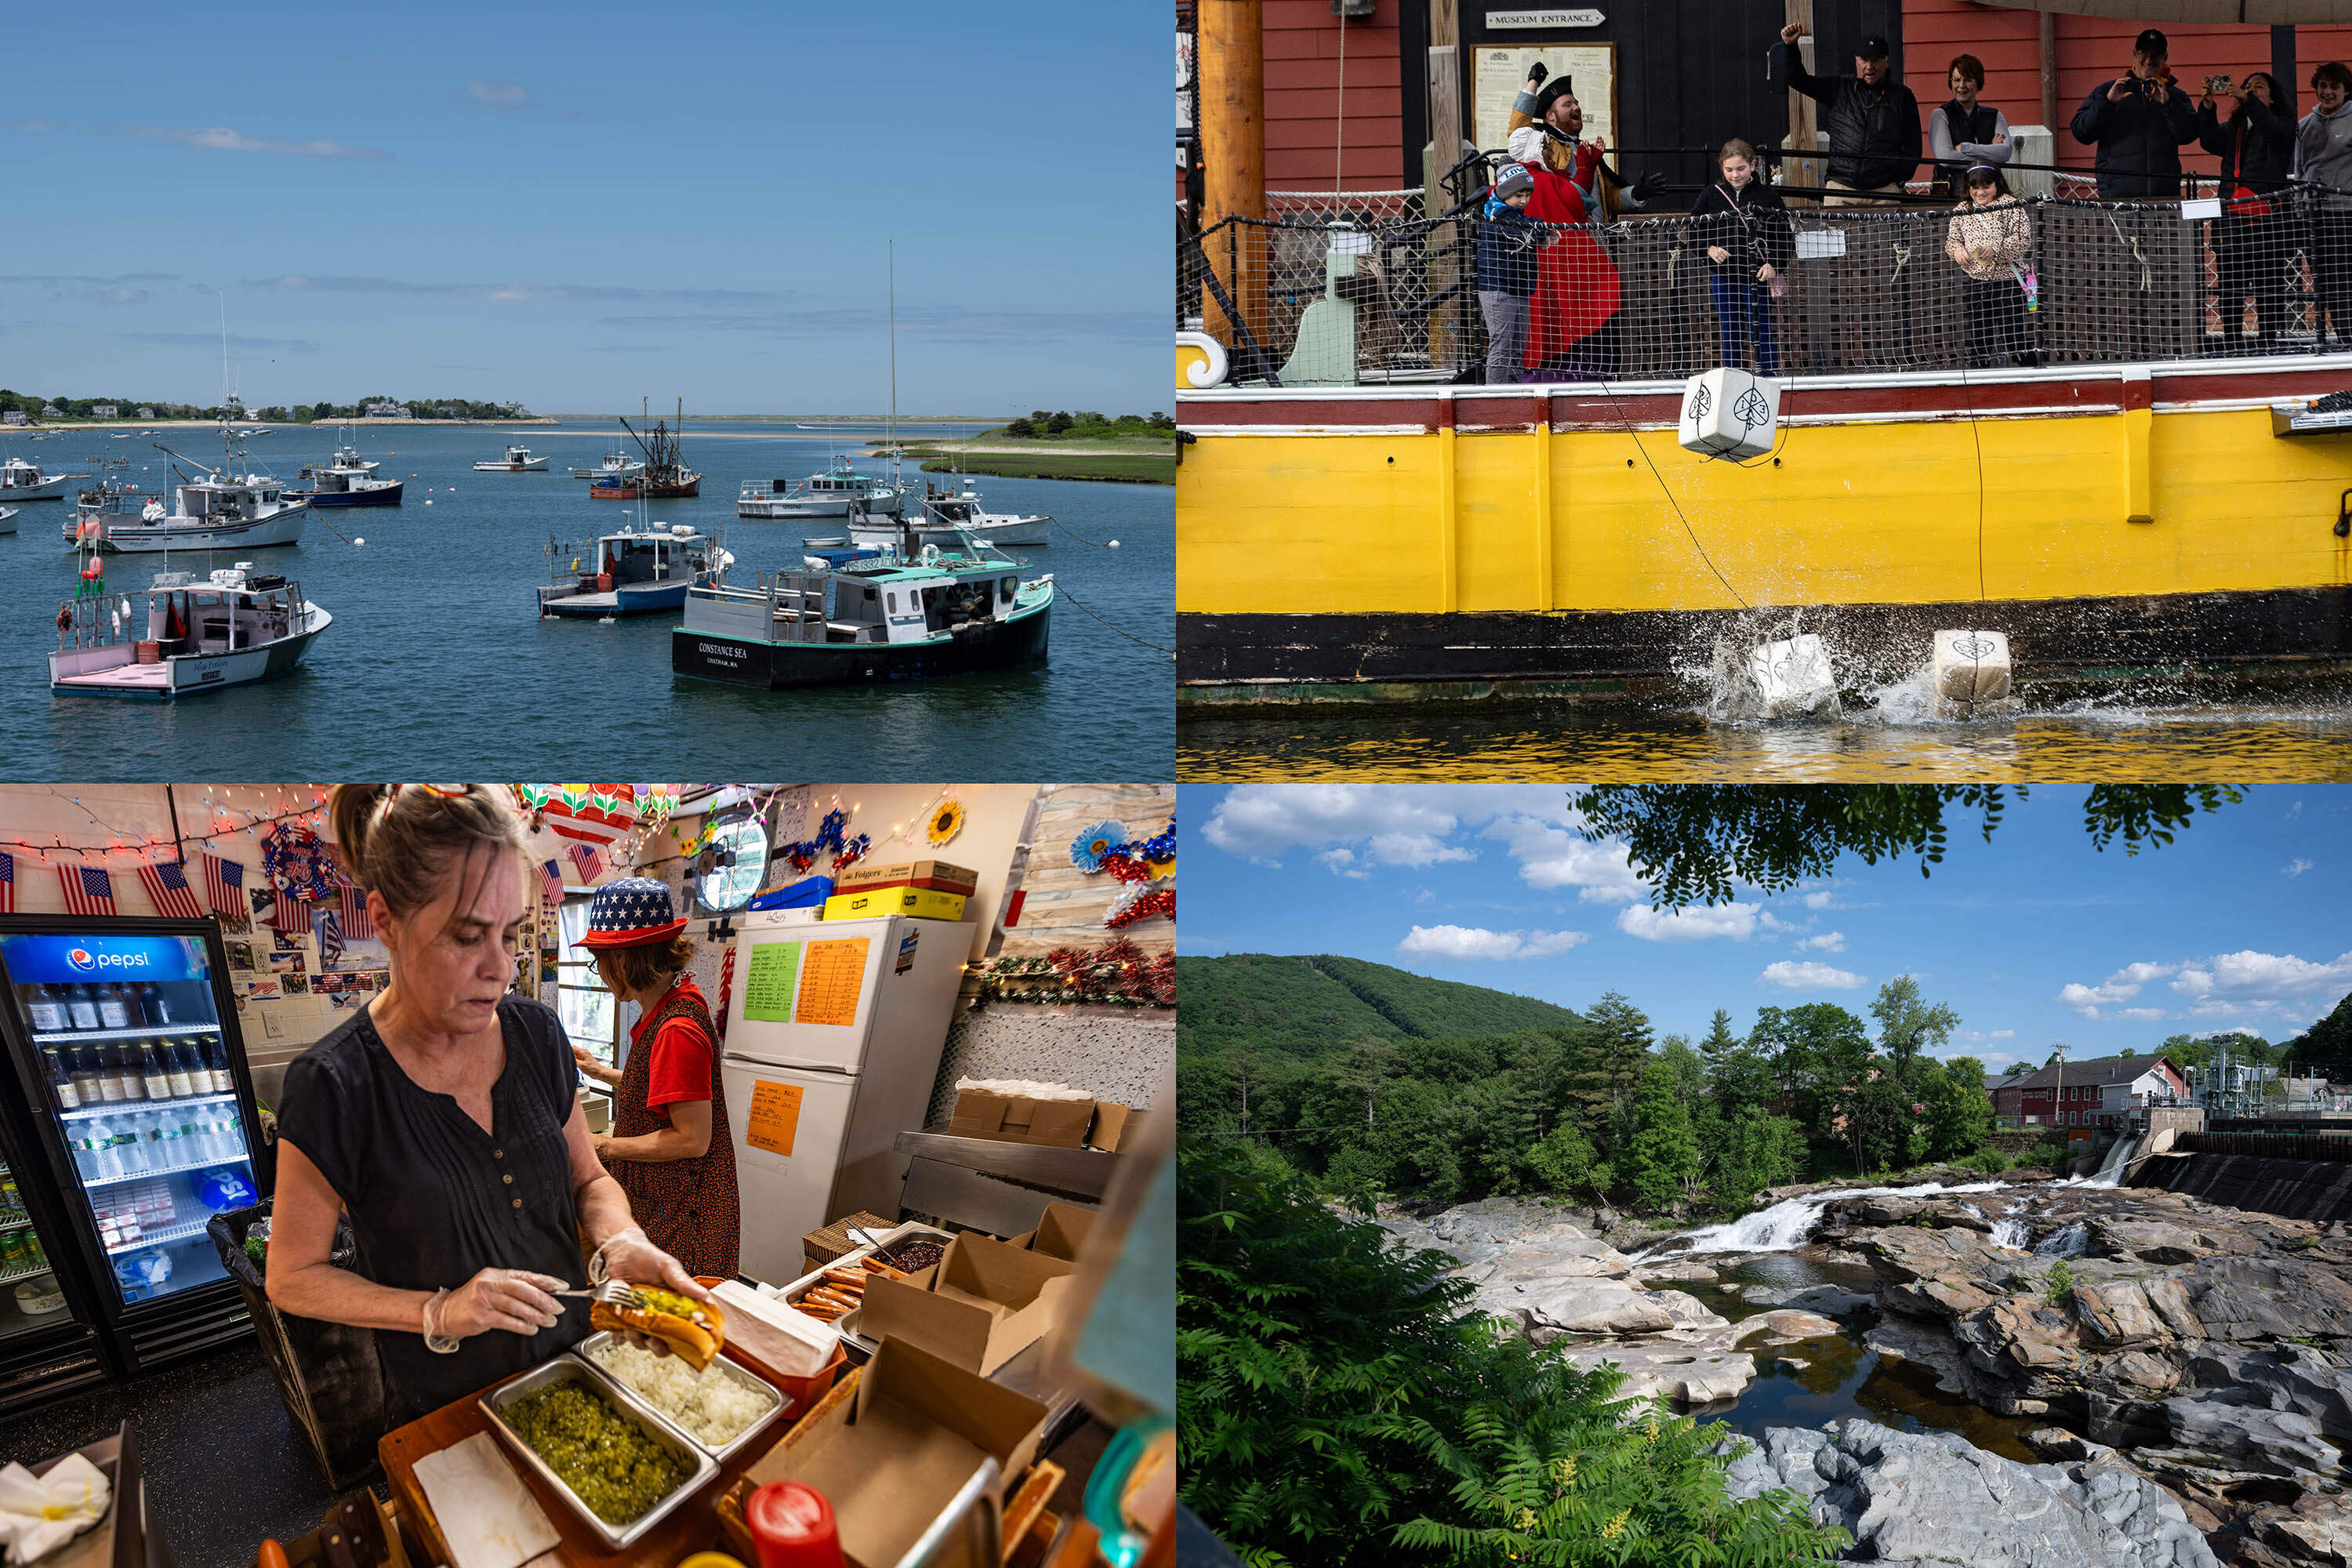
(2190, 1393)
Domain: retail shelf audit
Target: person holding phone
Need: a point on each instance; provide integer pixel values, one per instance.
(2138, 122)
(2251, 239)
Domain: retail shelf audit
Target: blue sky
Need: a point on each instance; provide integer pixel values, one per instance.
(2034, 939)
(579, 205)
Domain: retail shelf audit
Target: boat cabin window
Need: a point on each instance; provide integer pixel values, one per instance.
(894, 603)
(1010, 587)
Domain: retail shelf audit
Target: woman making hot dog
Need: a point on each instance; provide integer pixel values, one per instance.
(444, 1119)
(670, 1150)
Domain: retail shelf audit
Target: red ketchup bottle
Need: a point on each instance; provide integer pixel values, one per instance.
(791, 1525)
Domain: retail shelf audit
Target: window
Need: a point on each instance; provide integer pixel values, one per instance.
(894, 603)
(582, 1003)
(730, 870)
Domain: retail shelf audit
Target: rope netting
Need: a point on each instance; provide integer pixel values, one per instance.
(1316, 298)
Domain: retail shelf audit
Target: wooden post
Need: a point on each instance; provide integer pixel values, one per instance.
(2046, 27)
(1233, 152)
(2282, 67)
(1804, 118)
(1443, 151)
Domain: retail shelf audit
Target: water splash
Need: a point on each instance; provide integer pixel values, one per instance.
(2011, 1233)
(1784, 1226)
(2070, 1241)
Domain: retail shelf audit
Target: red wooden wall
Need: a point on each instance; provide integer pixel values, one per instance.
(1303, 99)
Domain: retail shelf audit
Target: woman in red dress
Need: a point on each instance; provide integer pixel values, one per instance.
(670, 1148)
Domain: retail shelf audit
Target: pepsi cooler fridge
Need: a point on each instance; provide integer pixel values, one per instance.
(129, 1096)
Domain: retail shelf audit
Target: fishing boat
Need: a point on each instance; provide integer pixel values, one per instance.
(112, 500)
(665, 476)
(615, 466)
(839, 492)
(8, 519)
(518, 460)
(22, 480)
(194, 634)
(629, 573)
(348, 480)
(234, 507)
(919, 609)
(944, 512)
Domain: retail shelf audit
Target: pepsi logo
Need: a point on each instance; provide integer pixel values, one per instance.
(80, 959)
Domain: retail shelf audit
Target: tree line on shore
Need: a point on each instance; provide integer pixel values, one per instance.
(1598, 1110)
(287, 413)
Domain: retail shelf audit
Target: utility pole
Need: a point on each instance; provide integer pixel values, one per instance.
(1804, 123)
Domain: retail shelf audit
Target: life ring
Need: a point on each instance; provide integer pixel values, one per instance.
(64, 617)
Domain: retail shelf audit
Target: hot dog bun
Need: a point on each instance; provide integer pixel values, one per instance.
(692, 1329)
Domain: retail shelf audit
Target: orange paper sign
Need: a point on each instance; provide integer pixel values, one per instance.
(832, 975)
(775, 1116)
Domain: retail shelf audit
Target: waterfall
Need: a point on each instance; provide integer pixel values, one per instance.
(2010, 1233)
(2067, 1243)
(1784, 1226)
(2111, 1169)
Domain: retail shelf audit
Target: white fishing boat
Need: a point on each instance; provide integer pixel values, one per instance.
(194, 635)
(8, 519)
(944, 512)
(839, 492)
(348, 480)
(22, 480)
(518, 460)
(615, 466)
(629, 573)
(232, 506)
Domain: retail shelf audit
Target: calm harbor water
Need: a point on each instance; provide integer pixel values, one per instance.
(437, 662)
(2126, 741)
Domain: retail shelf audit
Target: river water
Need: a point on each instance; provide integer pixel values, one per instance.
(437, 662)
(2127, 739)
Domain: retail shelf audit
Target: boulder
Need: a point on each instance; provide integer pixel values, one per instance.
(1684, 1272)
(1830, 1301)
(2229, 1429)
(1786, 1326)
(1547, 1309)
(1927, 1345)
(2268, 1298)
(1930, 1498)
(2148, 1241)
(1678, 1372)
(2057, 1443)
(2312, 1383)
(2317, 1529)
(2118, 1313)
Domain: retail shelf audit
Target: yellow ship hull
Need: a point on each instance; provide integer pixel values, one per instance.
(1451, 535)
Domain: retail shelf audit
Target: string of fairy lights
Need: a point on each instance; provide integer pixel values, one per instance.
(209, 814)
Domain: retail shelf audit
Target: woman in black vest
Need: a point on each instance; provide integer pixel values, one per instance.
(1965, 132)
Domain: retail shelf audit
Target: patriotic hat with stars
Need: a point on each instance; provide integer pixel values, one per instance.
(631, 912)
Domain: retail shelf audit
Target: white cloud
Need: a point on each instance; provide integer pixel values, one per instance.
(497, 94)
(1695, 923)
(1425, 896)
(2145, 1015)
(1828, 941)
(2002, 1035)
(1397, 826)
(1342, 861)
(1469, 944)
(2294, 868)
(2121, 986)
(2263, 982)
(1551, 854)
(221, 139)
(1810, 976)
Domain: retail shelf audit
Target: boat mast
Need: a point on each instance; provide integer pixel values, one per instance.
(892, 272)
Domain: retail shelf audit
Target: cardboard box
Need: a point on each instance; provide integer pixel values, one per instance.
(893, 1458)
(981, 1305)
(1017, 1118)
(1110, 1124)
(938, 875)
(1061, 1231)
(920, 902)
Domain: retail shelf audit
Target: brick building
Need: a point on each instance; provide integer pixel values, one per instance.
(2100, 1092)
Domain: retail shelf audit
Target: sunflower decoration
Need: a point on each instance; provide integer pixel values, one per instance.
(1090, 849)
(946, 822)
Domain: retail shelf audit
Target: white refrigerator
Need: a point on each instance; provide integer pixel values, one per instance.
(834, 1036)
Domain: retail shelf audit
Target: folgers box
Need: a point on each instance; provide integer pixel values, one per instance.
(892, 1458)
(937, 875)
(981, 1304)
(922, 903)
(1060, 1232)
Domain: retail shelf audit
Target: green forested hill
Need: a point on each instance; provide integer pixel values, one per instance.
(1305, 1007)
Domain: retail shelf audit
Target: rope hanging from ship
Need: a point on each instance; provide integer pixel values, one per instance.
(1063, 590)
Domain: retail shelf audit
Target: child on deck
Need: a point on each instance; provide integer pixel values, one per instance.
(1508, 242)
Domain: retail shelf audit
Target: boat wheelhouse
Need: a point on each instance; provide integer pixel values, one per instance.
(630, 573)
(518, 460)
(190, 635)
(615, 466)
(852, 616)
(840, 491)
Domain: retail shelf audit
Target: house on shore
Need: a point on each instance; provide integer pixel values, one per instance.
(2100, 1093)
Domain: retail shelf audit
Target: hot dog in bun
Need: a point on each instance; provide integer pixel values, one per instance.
(692, 1329)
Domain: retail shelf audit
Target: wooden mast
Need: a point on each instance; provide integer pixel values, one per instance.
(1233, 153)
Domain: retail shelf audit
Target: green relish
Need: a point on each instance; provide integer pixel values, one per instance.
(614, 1465)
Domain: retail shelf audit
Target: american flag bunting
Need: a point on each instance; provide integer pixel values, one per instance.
(168, 890)
(328, 924)
(552, 876)
(88, 891)
(7, 884)
(357, 925)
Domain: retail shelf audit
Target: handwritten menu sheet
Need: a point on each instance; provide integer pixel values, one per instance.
(767, 982)
(775, 1117)
(830, 978)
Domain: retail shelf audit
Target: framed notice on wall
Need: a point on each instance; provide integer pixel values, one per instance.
(1498, 72)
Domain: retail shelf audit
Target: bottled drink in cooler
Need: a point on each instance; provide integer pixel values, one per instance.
(217, 1065)
(61, 1084)
(157, 1000)
(175, 1067)
(109, 1072)
(111, 1013)
(159, 1076)
(81, 1007)
(46, 1009)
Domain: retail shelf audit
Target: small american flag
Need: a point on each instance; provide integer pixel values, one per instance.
(357, 926)
(552, 877)
(87, 892)
(584, 856)
(7, 884)
(276, 910)
(328, 923)
(224, 886)
(168, 890)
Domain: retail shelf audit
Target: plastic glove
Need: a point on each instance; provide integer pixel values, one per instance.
(514, 1299)
(633, 1260)
(1648, 186)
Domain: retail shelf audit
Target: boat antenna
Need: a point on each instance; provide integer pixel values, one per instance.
(891, 256)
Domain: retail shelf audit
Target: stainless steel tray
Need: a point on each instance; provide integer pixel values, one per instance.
(568, 1368)
(912, 1230)
(719, 1367)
